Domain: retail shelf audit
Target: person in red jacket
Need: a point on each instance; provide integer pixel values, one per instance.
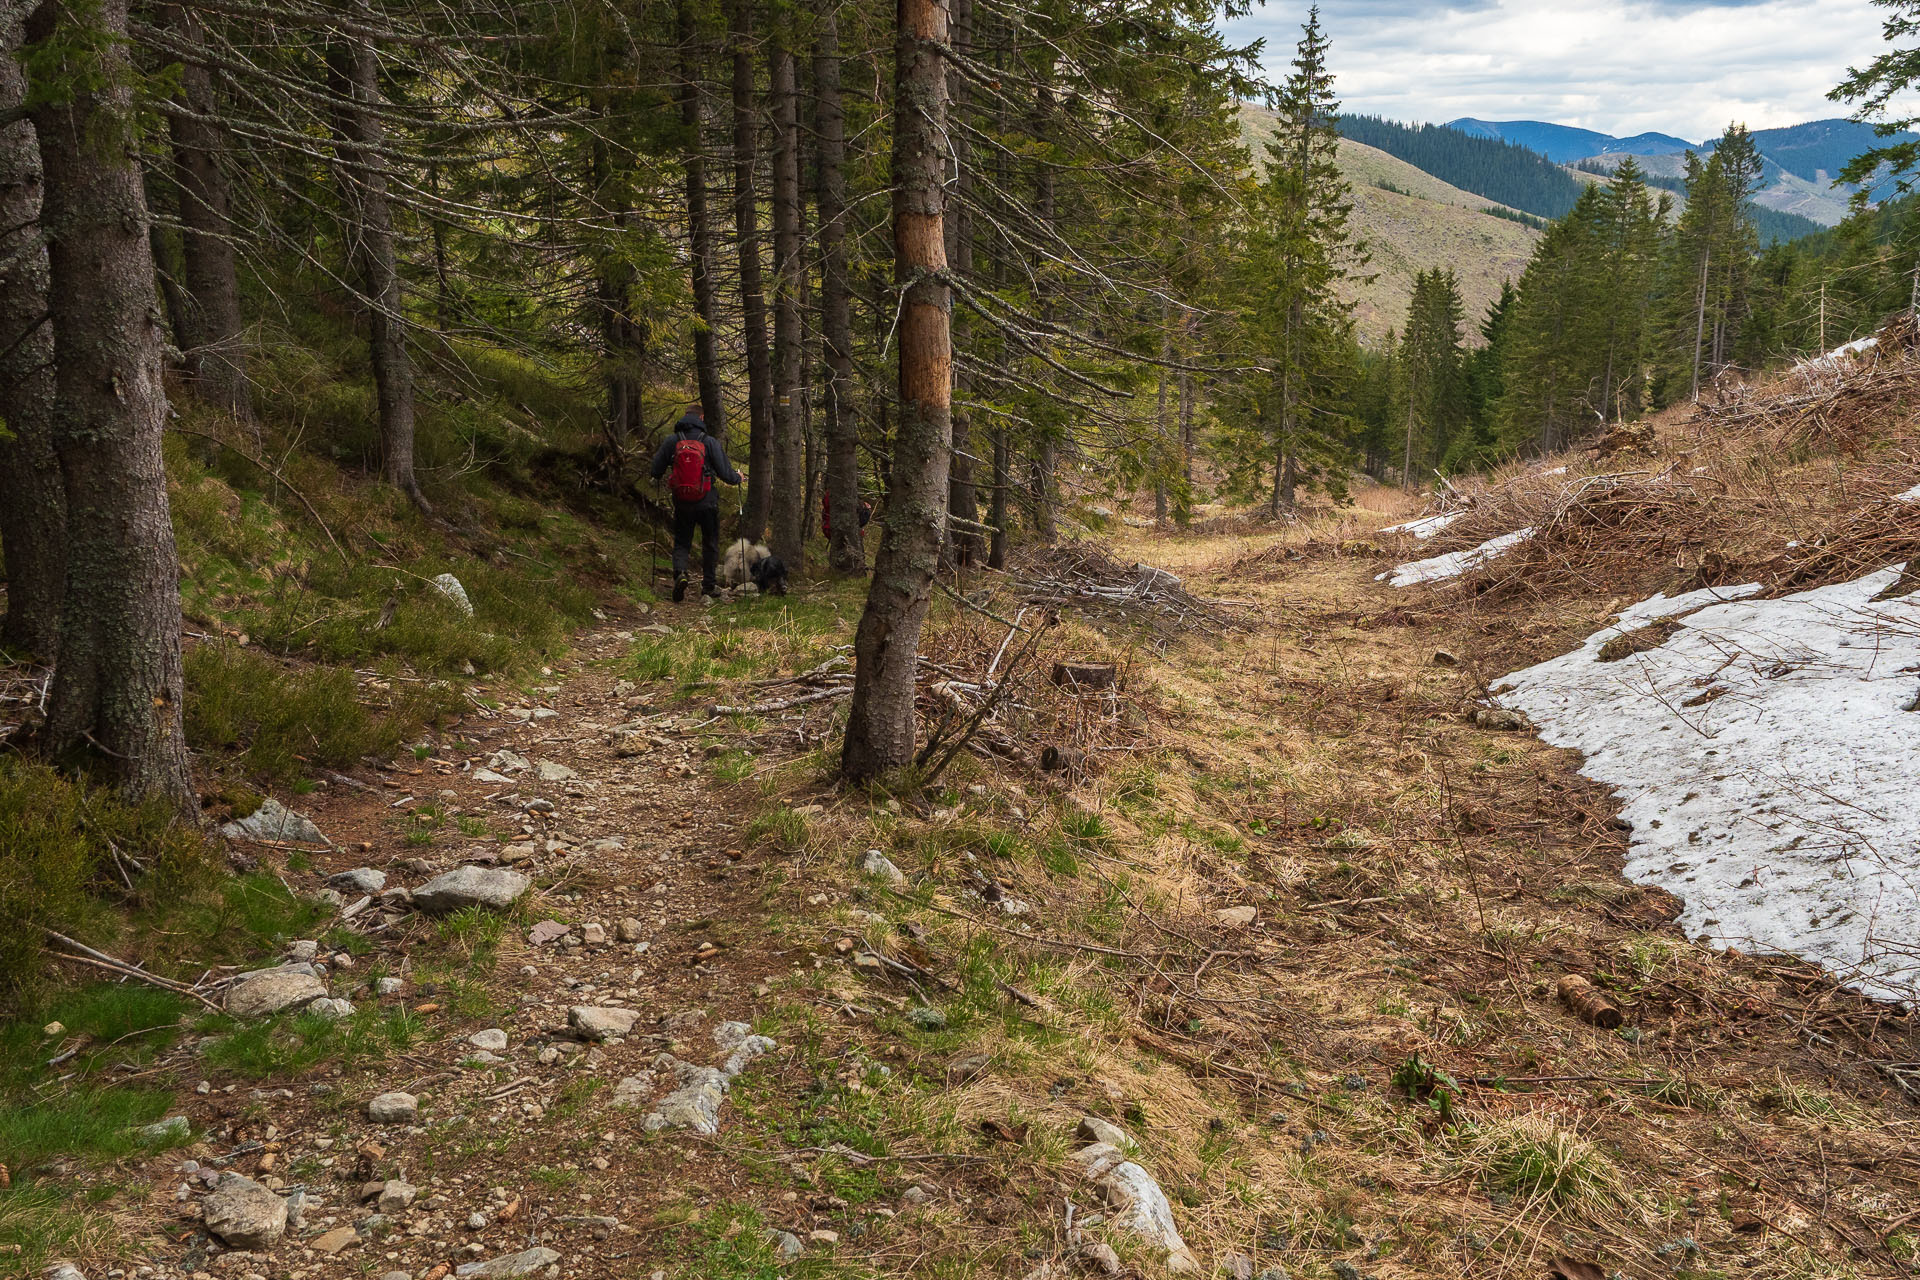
(696, 460)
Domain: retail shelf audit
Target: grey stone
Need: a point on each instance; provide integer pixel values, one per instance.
(1273, 1273)
(358, 880)
(492, 1038)
(915, 1194)
(396, 1196)
(927, 1018)
(477, 1221)
(1236, 1266)
(489, 777)
(303, 951)
(63, 1271)
(274, 821)
(265, 992)
(470, 887)
(591, 1022)
(449, 587)
(1343, 1270)
(389, 986)
(515, 1264)
(396, 1275)
(296, 1208)
(876, 863)
(332, 1009)
(785, 1243)
(1137, 1202)
(172, 1129)
(1098, 1256)
(1237, 917)
(244, 1214)
(554, 771)
(1445, 658)
(1500, 719)
(545, 931)
(633, 1092)
(1094, 1129)
(593, 935)
(695, 1105)
(394, 1108)
(630, 930)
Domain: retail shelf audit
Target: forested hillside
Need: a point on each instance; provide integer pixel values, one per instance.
(1505, 172)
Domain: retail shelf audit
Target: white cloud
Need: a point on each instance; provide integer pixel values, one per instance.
(1621, 68)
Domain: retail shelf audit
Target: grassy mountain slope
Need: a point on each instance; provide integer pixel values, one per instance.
(1792, 206)
(1412, 221)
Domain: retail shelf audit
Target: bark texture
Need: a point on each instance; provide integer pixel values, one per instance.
(753, 296)
(706, 360)
(845, 548)
(32, 500)
(214, 340)
(363, 180)
(880, 722)
(786, 519)
(961, 501)
(116, 696)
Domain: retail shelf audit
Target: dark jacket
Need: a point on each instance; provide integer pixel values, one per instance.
(691, 428)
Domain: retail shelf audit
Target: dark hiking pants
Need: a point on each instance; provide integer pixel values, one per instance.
(685, 521)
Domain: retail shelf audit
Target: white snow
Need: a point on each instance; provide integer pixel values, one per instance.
(1453, 563)
(1557, 471)
(1910, 495)
(1837, 358)
(1782, 808)
(1427, 526)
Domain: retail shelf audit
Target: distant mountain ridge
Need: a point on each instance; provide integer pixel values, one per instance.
(1564, 144)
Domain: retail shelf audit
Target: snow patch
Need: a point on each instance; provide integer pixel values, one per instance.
(1910, 495)
(1838, 358)
(1426, 526)
(1764, 755)
(1453, 563)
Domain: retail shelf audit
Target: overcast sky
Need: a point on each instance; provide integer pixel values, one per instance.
(1685, 67)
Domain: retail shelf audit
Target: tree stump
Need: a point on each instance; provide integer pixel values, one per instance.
(1062, 759)
(1084, 677)
(1590, 1002)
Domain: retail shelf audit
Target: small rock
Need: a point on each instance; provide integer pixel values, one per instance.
(359, 880)
(332, 1009)
(1094, 1129)
(389, 986)
(172, 1129)
(786, 1244)
(265, 992)
(274, 821)
(477, 1221)
(1343, 1270)
(1236, 1266)
(592, 1022)
(515, 1264)
(492, 1038)
(67, 1271)
(1500, 719)
(470, 887)
(244, 1214)
(553, 771)
(546, 931)
(876, 863)
(629, 930)
(823, 1237)
(1098, 1256)
(394, 1108)
(396, 1196)
(593, 935)
(334, 1241)
(1445, 658)
(1273, 1273)
(633, 1092)
(927, 1018)
(303, 951)
(396, 1275)
(449, 587)
(1237, 917)
(915, 1194)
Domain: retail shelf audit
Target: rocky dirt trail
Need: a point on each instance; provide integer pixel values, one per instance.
(518, 1143)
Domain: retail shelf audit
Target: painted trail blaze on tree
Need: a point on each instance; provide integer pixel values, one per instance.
(880, 725)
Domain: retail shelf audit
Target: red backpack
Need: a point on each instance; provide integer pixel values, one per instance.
(689, 480)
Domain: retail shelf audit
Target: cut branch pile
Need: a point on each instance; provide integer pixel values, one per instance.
(1084, 576)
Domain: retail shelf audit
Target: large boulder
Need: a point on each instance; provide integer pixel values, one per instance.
(265, 992)
(465, 887)
(244, 1214)
(274, 821)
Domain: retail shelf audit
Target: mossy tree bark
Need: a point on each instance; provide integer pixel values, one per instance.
(753, 296)
(706, 361)
(116, 696)
(786, 522)
(880, 722)
(32, 501)
(845, 552)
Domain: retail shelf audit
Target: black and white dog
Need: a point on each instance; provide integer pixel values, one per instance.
(752, 562)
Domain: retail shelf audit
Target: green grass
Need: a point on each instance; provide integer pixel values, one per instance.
(299, 1042)
(276, 721)
(782, 828)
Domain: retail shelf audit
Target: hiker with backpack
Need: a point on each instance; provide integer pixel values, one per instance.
(695, 460)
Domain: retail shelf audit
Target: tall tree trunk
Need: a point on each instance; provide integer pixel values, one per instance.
(786, 520)
(623, 336)
(1045, 450)
(706, 361)
(880, 722)
(214, 344)
(961, 500)
(1184, 511)
(363, 179)
(1700, 324)
(33, 504)
(753, 297)
(116, 697)
(844, 550)
(1163, 435)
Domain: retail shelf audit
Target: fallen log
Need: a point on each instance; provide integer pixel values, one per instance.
(1062, 760)
(1590, 1002)
(783, 704)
